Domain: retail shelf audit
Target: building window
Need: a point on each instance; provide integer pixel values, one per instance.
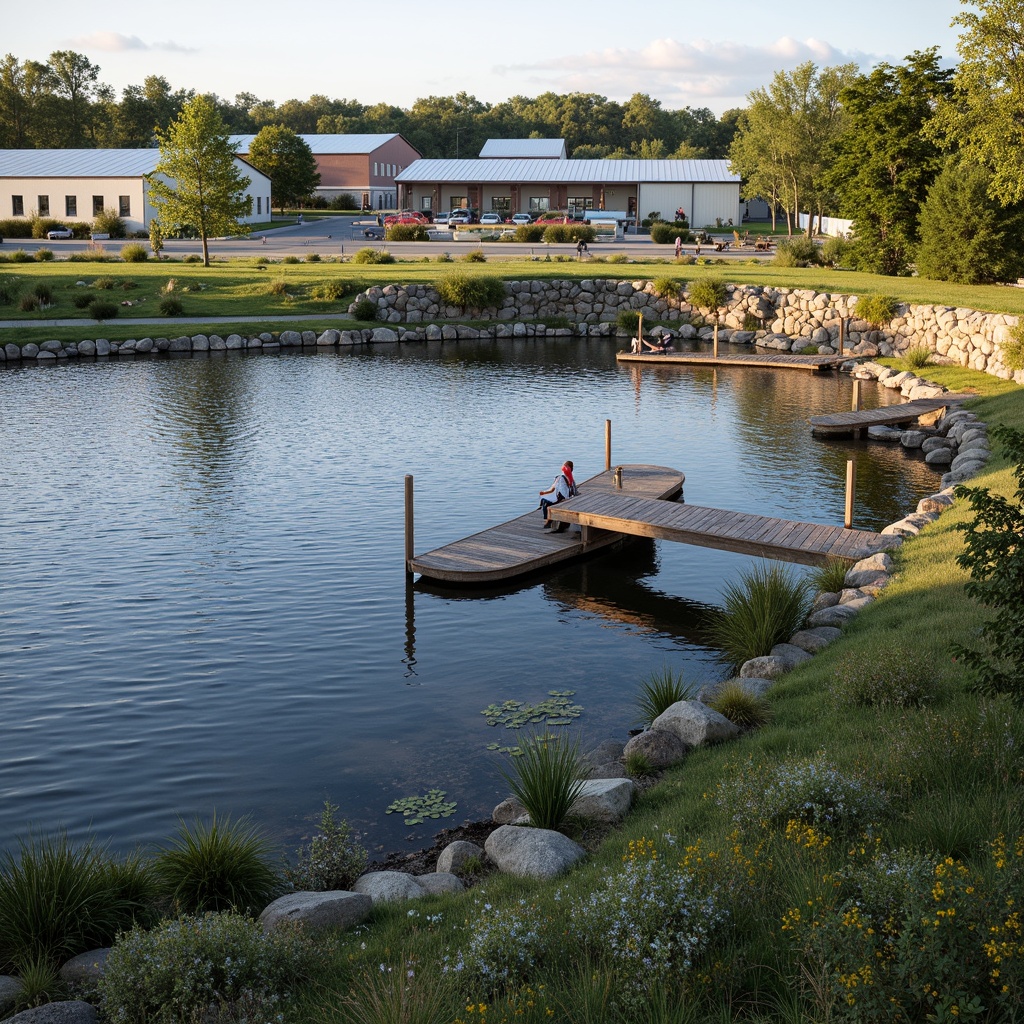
(538, 204)
(375, 167)
(460, 202)
(581, 202)
(259, 204)
(43, 205)
(97, 205)
(124, 206)
(501, 204)
(18, 206)
(426, 203)
(71, 206)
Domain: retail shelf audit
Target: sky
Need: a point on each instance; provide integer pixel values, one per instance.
(681, 52)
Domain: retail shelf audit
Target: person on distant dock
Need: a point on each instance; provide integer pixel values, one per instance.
(563, 487)
(662, 344)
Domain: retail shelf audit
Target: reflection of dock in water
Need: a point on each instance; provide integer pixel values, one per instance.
(521, 546)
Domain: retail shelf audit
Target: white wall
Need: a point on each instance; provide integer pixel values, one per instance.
(713, 202)
(83, 189)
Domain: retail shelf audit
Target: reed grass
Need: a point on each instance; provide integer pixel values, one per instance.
(546, 778)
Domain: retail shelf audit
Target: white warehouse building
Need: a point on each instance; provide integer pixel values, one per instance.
(74, 185)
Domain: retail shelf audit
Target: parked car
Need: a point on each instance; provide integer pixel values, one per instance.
(521, 218)
(405, 217)
(60, 233)
(459, 217)
(491, 218)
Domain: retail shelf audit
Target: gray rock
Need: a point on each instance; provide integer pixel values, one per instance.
(694, 723)
(532, 852)
(912, 438)
(144, 345)
(336, 909)
(388, 886)
(71, 1012)
(85, 970)
(10, 988)
(455, 855)
(939, 457)
(85, 348)
(329, 337)
(932, 444)
(791, 654)
(768, 666)
(383, 334)
(200, 343)
(606, 800)
(607, 750)
(837, 616)
(883, 433)
(856, 604)
(291, 339)
(234, 341)
(813, 640)
(748, 684)
(608, 770)
(935, 503)
(12, 351)
(866, 578)
(824, 600)
(182, 343)
(661, 747)
(437, 882)
(508, 811)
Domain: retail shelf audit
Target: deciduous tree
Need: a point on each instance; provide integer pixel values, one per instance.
(196, 182)
(288, 162)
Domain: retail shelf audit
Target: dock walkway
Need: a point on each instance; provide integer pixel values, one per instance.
(764, 536)
(775, 360)
(522, 545)
(886, 415)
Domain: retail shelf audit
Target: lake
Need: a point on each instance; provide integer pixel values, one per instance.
(204, 601)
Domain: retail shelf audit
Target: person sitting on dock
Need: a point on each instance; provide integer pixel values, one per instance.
(661, 344)
(563, 487)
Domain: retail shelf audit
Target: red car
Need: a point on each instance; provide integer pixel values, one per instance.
(405, 217)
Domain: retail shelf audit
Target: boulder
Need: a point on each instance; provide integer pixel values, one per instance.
(532, 852)
(694, 723)
(866, 578)
(790, 654)
(768, 666)
(508, 811)
(434, 882)
(607, 750)
(608, 770)
(85, 970)
(912, 438)
(939, 457)
(824, 599)
(879, 432)
(455, 855)
(10, 988)
(813, 640)
(388, 886)
(73, 1011)
(661, 747)
(606, 800)
(837, 616)
(338, 908)
(935, 503)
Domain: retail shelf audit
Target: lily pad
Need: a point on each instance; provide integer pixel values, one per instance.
(431, 804)
(556, 709)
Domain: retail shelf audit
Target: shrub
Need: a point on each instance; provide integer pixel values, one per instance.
(334, 859)
(192, 257)
(917, 357)
(627, 321)
(290, 259)
(830, 577)
(650, 921)
(343, 201)
(134, 252)
(659, 691)
(104, 283)
(43, 292)
(92, 253)
(312, 257)
(278, 288)
(28, 304)
(664, 233)
(994, 556)
(82, 300)
(473, 256)
(406, 233)
(170, 305)
(217, 967)
(529, 233)
(19, 256)
(802, 250)
(19, 227)
(877, 310)
(471, 291)
(708, 293)
(617, 257)
(834, 252)
(741, 706)
(364, 309)
(564, 233)
(328, 291)
(546, 779)
(102, 309)
(784, 257)
(58, 900)
(1011, 351)
(890, 678)
(372, 256)
(668, 287)
(8, 292)
(766, 608)
(223, 865)
(751, 322)
(443, 257)
(109, 223)
(44, 255)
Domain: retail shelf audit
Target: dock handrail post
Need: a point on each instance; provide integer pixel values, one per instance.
(851, 487)
(618, 478)
(715, 353)
(842, 334)
(408, 525)
(607, 445)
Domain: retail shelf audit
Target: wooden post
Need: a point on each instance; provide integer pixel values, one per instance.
(640, 332)
(851, 487)
(607, 445)
(842, 334)
(715, 351)
(856, 396)
(408, 524)
(618, 478)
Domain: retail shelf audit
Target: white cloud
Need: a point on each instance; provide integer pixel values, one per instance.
(116, 42)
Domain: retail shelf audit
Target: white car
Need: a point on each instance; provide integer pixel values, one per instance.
(60, 233)
(459, 217)
(491, 218)
(521, 218)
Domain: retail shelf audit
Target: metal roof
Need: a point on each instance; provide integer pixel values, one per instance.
(77, 163)
(323, 145)
(606, 172)
(521, 149)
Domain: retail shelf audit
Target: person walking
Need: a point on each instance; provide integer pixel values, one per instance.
(679, 246)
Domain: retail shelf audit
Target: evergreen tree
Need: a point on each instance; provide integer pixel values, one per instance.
(197, 183)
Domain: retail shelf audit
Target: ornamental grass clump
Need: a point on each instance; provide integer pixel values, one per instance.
(741, 706)
(660, 690)
(334, 858)
(212, 968)
(402, 993)
(220, 865)
(546, 778)
(830, 576)
(650, 922)
(59, 899)
(765, 608)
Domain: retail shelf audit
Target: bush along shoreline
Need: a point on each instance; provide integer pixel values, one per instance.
(183, 937)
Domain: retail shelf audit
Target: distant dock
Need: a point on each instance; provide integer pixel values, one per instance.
(772, 360)
(885, 416)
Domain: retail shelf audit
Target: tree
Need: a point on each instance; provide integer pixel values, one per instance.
(966, 236)
(986, 118)
(72, 77)
(887, 163)
(288, 162)
(196, 182)
(22, 84)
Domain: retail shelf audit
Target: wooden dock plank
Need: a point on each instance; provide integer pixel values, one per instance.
(786, 360)
(886, 415)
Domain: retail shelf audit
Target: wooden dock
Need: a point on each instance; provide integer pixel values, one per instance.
(764, 536)
(772, 360)
(523, 546)
(886, 415)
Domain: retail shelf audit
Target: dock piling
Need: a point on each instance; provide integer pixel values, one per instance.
(607, 445)
(409, 553)
(842, 334)
(851, 487)
(716, 340)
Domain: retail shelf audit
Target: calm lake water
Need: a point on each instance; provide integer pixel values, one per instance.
(204, 602)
